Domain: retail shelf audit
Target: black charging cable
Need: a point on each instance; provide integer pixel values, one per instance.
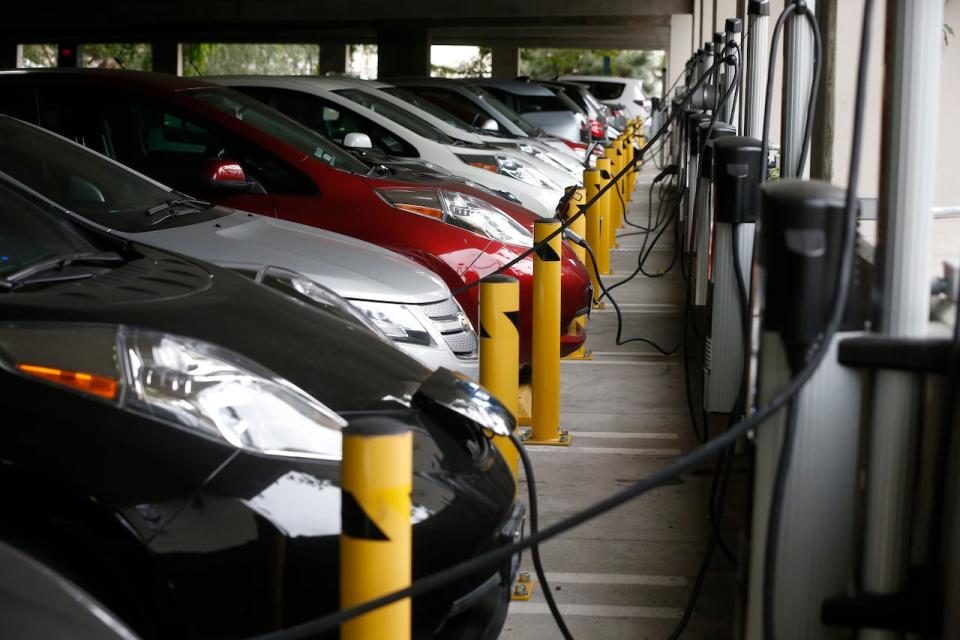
(534, 528)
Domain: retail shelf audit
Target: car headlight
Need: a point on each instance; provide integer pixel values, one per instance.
(192, 384)
(462, 210)
(512, 167)
(396, 322)
(573, 169)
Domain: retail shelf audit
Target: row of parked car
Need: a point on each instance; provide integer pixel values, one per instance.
(202, 281)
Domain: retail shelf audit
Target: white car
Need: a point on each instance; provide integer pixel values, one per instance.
(617, 91)
(553, 159)
(329, 107)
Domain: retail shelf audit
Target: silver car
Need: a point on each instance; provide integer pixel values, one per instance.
(393, 295)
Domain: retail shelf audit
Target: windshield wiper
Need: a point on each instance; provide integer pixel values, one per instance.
(177, 207)
(27, 274)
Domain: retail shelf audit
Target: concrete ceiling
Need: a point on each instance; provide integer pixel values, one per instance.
(615, 24)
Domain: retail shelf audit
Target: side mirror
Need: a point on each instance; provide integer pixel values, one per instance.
(490, 125)
(225, 175)
(357, 141)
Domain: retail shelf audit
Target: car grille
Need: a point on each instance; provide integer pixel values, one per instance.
(453, 325)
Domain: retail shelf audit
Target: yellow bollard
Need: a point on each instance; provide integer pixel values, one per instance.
(622, 184)
(632, 176)
(609, 233)
(597, 236)
(615, 193)
(376, 550)
(579, 227)
(546, 337)
(499, 350)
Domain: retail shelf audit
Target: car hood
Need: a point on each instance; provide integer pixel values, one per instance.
(352, 268)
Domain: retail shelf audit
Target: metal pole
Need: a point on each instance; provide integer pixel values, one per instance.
(911, 94)
(731, 110)
(758, 52)
(797, 76)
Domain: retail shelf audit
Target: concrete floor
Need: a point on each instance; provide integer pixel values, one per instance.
(628, 574)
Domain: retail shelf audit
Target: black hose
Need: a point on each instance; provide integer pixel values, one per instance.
(534, 527)
(774, 519)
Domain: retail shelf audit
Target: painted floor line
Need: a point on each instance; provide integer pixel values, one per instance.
(626, 436)
(596, 610)
(613, 451)
(622, 363)
(558, 577)
(633, 354)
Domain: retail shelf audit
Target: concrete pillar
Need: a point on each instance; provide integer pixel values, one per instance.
(948, 163)
(333, 59)
(11, 55)
(167, 58)
(506, 62)
(403, 51)
(681, 31)
(68, 54)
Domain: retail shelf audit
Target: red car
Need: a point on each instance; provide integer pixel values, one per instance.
(225, 147)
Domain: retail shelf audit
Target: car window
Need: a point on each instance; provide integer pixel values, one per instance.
(19, 102)
(460, 106)
(329, 119)
(276, 125)
(29, 233)
(163, 141)
(83, 181)
(426, 105)
(505, 111)
(606, 90)
(530, 104)
(397, 114)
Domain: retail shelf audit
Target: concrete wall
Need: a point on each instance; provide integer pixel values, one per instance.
(948, 151)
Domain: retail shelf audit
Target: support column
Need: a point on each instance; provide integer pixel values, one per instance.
(333, 59)
(506, 62)
(403, 51)
(68, 54)
(167, 58)
(681, 31)
(908, 152)
(11, 55)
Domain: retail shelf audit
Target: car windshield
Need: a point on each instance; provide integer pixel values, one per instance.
(515, 118)
(276, 125)
(82, 180)
(429, 107)
(30, 234)
(606, 90)
(396, 113)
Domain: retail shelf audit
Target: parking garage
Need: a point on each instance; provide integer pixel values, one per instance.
(635, 320)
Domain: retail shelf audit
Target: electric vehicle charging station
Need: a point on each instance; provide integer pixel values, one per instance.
(800, 246)
(736, 175)
(702, 218)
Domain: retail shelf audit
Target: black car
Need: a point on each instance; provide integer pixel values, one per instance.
(194, 490)
(37, 603)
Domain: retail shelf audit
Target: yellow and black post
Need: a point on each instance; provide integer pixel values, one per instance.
(627, 157)
(596, 240)
(500, 350)
(376, 551)
(579, 227)
(545, 427)
(607, 231)
(620, 209)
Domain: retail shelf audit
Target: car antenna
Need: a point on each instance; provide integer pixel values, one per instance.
(195, 70)
(119, 62)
